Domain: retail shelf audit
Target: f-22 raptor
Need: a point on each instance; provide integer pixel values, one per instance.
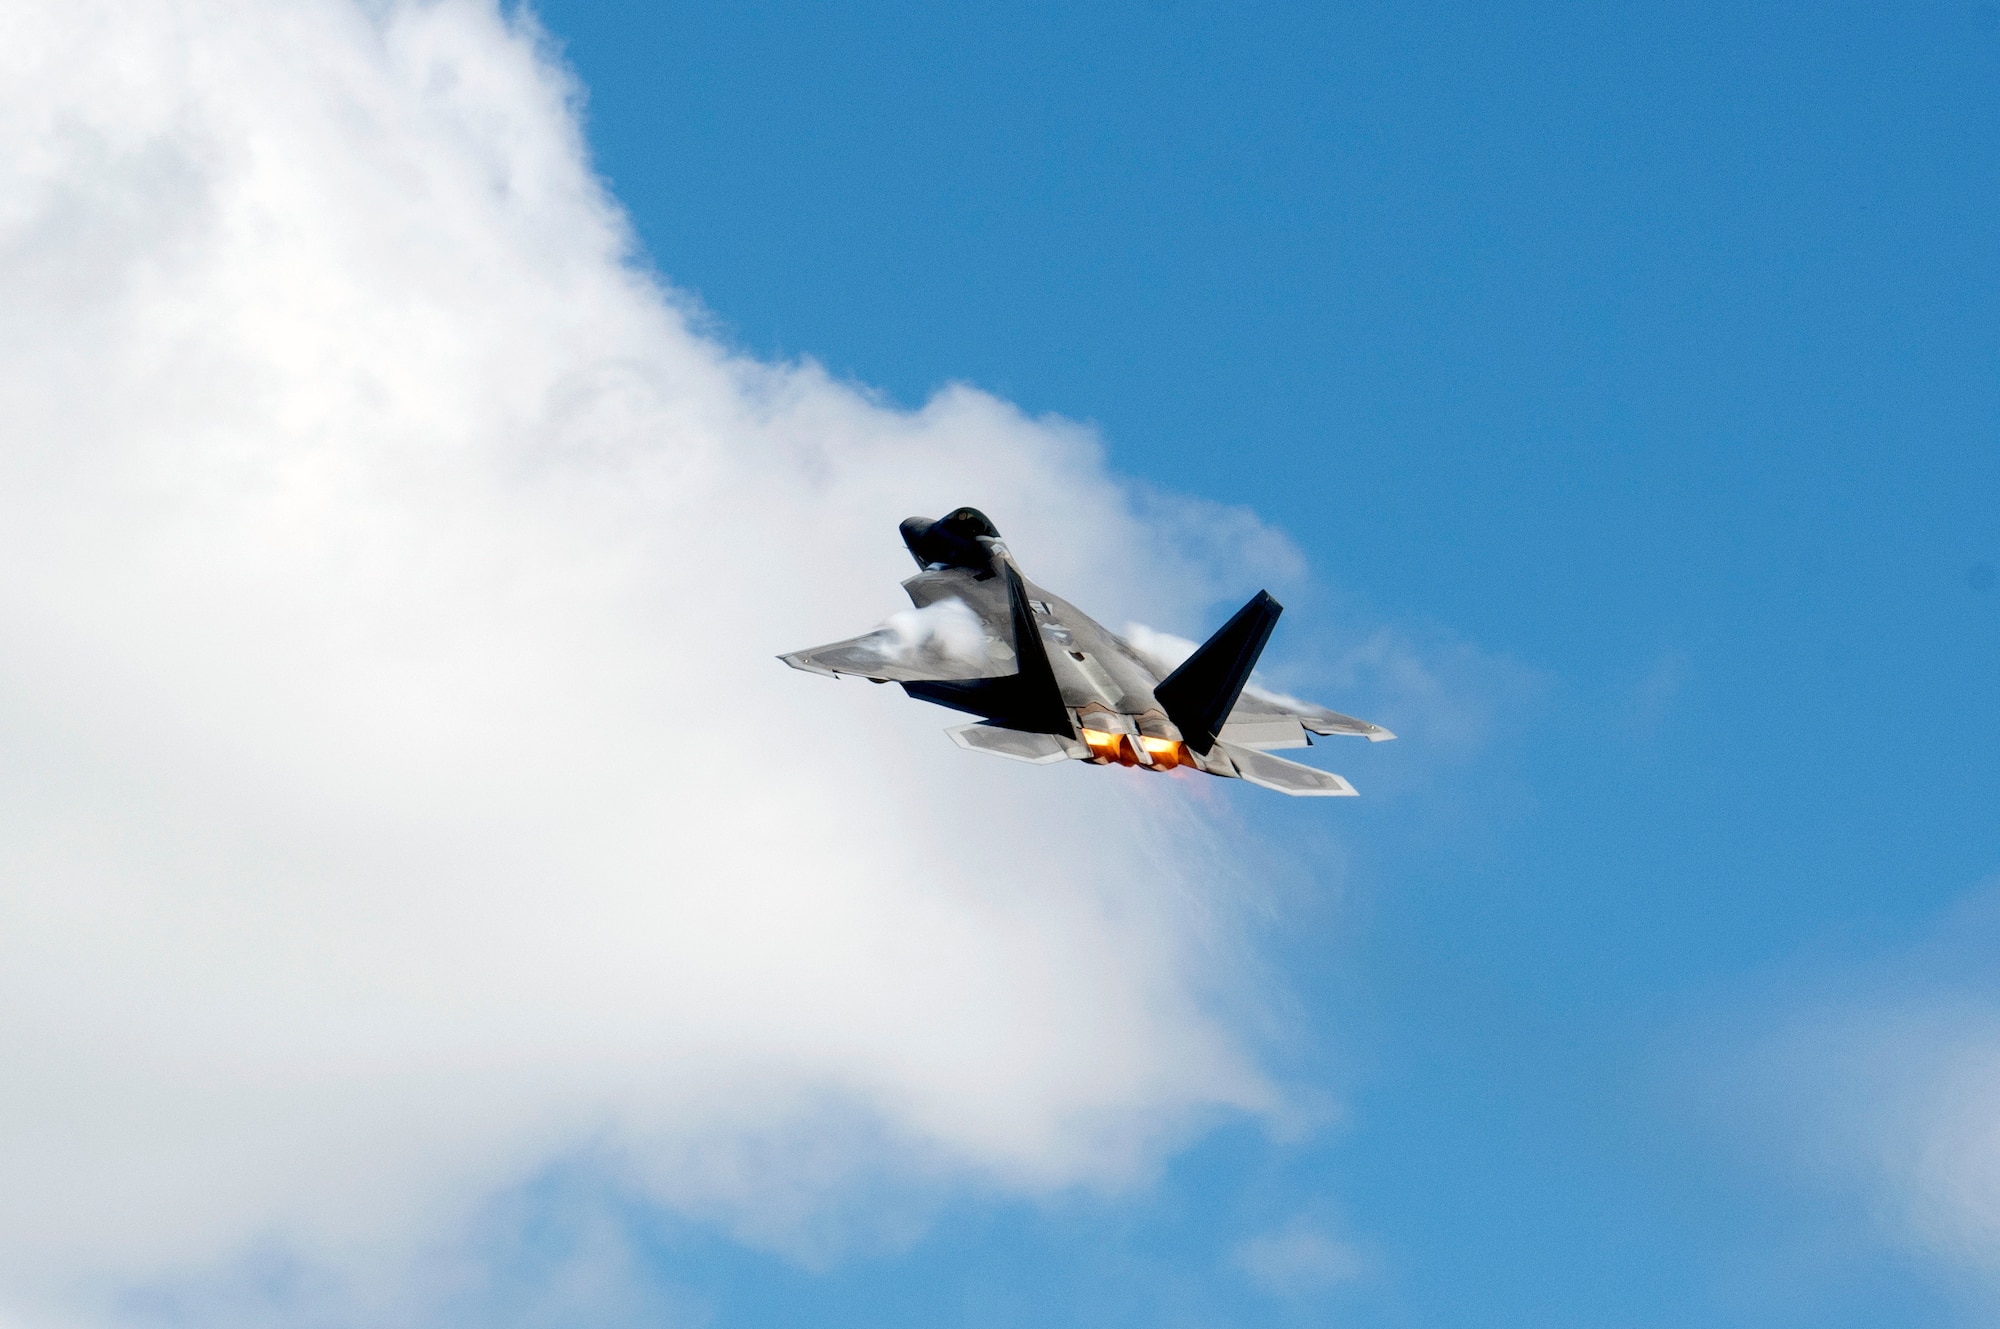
(1052, 684)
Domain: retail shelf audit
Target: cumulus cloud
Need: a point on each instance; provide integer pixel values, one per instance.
(397, 789)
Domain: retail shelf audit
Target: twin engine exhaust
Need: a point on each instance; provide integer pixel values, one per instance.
(1158, 754)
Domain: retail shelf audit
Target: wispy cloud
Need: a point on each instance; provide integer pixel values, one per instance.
(1873, 1085)
(1651, 699)
(1299, 1259)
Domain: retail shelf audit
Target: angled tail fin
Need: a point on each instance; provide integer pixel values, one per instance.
(1029, 699)
(1036, 703)
(1199, 695)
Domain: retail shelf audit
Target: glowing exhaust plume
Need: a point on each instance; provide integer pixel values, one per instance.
(1160, 753)
(1106, 747)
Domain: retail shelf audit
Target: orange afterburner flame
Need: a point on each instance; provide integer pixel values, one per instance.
(1103, 747)
(1165, 752)
(1124, 749)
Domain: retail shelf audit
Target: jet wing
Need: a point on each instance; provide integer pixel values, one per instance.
(944, 639)
(885, 656)
(1264, 720)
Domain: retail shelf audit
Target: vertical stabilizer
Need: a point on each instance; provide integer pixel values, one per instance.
(1029, 699)
(1037, 701)
(1199, 695)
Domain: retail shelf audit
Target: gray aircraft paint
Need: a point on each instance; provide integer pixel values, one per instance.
(1107, 688)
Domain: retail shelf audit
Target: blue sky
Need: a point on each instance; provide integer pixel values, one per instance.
(424, 899)
(1638, 360)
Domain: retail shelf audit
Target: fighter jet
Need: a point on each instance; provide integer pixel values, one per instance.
(1052, 684)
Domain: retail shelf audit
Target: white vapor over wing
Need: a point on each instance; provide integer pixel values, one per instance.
(397, 789)
(947, 628)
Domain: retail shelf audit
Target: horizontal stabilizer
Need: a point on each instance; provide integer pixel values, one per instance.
(1018, 744)
(1332, 722)
(1287, 777)
(1266, 719)
(1264, 732)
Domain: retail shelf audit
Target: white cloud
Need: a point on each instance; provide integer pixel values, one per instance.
(1298, 1259)
(1876, 1084)
(397, 789)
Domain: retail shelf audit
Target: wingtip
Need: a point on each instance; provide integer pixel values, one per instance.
(798, 661)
